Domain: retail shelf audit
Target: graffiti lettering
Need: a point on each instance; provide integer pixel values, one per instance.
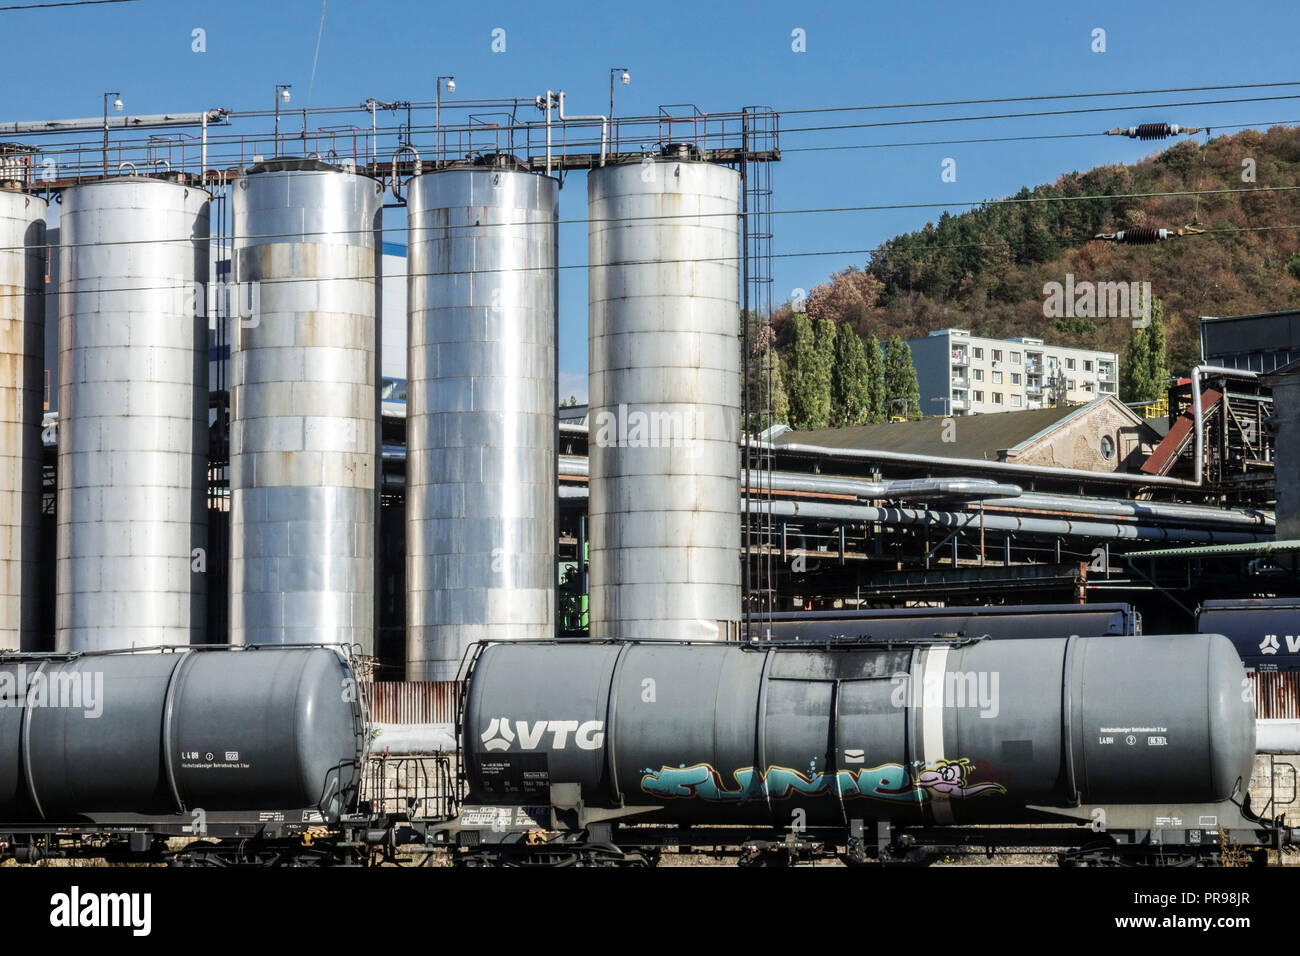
(892, 781)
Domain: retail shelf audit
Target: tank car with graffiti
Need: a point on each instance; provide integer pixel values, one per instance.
(1136, 749)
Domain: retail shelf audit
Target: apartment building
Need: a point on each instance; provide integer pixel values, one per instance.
(963, 374)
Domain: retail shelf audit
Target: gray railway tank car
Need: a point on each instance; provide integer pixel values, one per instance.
(304, 406)
(895, 624)
(132, 415)
(965, 733)
(663, 248)
(168, 733)
(22, 345)
(480, 492)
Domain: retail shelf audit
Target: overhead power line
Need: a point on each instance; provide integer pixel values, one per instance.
(1038, 98)
(63, 3)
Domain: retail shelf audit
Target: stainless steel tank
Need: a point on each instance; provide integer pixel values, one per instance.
(481, 418)
(304, 406)
(133, 402)
(664, 520)
(944, 732)
(267, 729)
(22, 351)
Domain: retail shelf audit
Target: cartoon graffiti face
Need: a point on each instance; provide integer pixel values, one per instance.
(949, 777)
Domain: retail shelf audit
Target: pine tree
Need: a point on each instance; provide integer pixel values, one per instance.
(902, 394)
(1157, 356)
(875, 381)
(850, 392)
(1135, 374)
(807, 378)
(772, 388)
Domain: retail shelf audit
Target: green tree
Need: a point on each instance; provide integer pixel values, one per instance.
(850, 384)
(902, 394)
(764, 379)
(772, 389)
(1135, 373)
(1157, 356)
(875, 381)
(807, 378)
(1144, 375)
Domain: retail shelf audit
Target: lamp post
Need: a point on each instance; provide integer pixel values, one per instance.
(946, 404)
(626, 78)
(117, 105)
(437, 114)
(281, 93)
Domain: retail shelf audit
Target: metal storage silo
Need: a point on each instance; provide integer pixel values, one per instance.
(304, 406)
(481, 417)
(22, 349)
(133, 402)
(664, 364)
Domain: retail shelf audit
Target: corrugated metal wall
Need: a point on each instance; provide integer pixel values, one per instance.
(1277, 694)
(412, 702)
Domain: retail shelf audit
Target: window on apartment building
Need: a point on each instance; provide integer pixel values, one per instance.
(997, 398)
(1015, 401)
(1087, 365)
(977, 374)
(1015, 378)
(979, 396)
(1015, 358)
(997, 355)
(979, 353)
(997, 378)
(1069, 363)
(1069, 385)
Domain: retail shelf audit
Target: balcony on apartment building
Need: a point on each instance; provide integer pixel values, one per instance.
(959, 357)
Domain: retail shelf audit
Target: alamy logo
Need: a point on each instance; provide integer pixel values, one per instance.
(948, 689)
(76, 909)
(1098, 300)
(588, 735)
(74, 690)
(643, 429)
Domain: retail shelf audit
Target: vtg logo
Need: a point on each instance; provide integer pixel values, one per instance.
(588, 735)
(1270, 645)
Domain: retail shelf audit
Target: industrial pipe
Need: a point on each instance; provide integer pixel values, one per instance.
(397, 183)
(947, 519)
(604, 126)
(996, 495)
(1117, 508)
(96, 123)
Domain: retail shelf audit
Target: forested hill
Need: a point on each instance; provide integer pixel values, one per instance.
(984, 270)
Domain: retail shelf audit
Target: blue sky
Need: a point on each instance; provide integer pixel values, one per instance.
(720, 56)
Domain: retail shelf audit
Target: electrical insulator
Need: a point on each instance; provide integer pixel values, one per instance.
(1146, 235)
(1154, 131)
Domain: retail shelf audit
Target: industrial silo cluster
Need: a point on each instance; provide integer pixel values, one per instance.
(480, 493)
(304, 406)
(664, 520)
(132, 400)
(22, 329)
(304, 411)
